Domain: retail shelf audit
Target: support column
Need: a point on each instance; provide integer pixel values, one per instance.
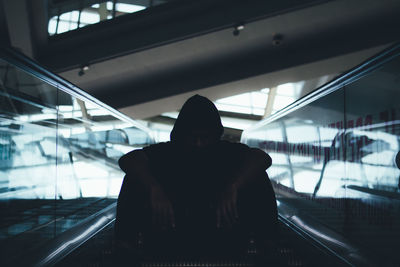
(85, 115)
(270, 101)
(103, 12)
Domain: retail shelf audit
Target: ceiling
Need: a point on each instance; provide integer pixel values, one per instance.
(149, 62)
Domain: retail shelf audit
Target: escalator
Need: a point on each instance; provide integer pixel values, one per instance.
(59, 179)
(58, 162)
(293, 250)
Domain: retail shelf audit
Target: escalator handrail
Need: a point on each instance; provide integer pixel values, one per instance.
(59, 247)
(28, 65)
(348, 77)
(321, 236)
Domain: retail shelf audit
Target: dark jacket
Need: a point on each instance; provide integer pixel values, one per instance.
(192, 180)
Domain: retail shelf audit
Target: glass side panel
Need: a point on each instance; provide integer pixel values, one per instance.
(336, 160)
(58, 160)
(304, 150)
(372, 176)
(27, 161)
(90, 142)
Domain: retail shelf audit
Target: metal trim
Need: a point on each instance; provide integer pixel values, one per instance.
(59, 247)
(352, 75)
(321, 236)
(29, 66)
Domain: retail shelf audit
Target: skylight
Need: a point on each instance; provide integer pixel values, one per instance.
(249, 103)
(256, 103)
(80, 17)
(285, 95)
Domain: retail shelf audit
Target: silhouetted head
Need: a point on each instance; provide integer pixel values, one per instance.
(198, 124)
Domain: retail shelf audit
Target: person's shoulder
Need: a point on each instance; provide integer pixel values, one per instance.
(158, 147)
(232, 147)
(225, 143)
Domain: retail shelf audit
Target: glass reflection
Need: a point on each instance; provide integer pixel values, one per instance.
(335, 159)
(58, 159)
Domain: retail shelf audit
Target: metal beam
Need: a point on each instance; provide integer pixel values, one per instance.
(270, 101)
(19, 26)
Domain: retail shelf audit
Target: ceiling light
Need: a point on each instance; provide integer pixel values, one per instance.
(239, 27)
(83, 70)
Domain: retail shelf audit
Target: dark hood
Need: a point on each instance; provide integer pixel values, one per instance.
(198, 113)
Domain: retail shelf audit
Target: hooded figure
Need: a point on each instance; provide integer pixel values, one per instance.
(196, 183)
(198, 113)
